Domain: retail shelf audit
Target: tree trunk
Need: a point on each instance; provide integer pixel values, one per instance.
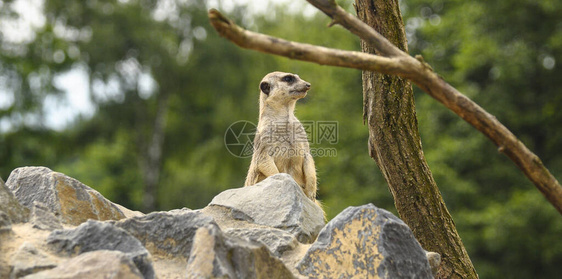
(395, 145)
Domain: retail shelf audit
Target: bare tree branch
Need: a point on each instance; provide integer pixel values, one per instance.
(299, 51)
(394, 61)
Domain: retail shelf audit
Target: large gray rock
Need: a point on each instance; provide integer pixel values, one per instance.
(28, 259)
(93, 265)
(42, 218)
(10, 205)
(215, 255)
(66, 197)
(365, 242)
(278, 202)
(167, 233)
(94, 235)
(276, 240)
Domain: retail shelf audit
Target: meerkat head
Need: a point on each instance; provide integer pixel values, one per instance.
(279, 89)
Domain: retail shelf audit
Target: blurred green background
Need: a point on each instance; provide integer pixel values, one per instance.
(86, 86)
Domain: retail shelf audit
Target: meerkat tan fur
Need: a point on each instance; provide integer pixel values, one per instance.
(281, 144)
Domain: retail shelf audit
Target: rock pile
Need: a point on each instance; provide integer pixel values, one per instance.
(53, 226)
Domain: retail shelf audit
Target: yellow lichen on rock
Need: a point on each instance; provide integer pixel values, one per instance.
(365, 242)
(343, 255)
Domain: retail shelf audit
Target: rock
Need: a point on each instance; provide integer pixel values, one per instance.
(5, 223)
(267, 228)
(279, 202)
(66, 197)
(434, 262)
(127, 212)
(365, 242)
(94, 235)
(28, 259)
(42, 218)
(276, 240)
(167, 233)
(10, 205)
(215, 255)
(93, 265)
(4, 269)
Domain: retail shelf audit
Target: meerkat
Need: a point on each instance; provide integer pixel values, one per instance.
(281, 144)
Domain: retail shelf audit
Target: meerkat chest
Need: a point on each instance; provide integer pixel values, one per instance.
(285, 139)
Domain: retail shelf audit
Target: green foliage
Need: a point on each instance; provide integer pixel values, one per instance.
(505, 55)
(106, 165)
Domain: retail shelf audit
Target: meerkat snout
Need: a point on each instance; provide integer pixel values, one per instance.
(301, 88)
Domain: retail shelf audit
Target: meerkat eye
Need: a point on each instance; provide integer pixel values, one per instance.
(288, 79)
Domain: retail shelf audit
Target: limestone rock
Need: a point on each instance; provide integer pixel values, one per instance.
(4, 269)
(10, 205)
(268, 228)
(66, 197)
(28, 259)
(42, 218)
(276, 240)
(94, 235)
(215, 255)
(127, 212)
(279, 202)
(5, 223)
(93, 265)
(434, 261)
(365, 242)
(167, 233)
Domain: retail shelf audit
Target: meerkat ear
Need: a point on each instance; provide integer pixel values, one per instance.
(265, 88)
